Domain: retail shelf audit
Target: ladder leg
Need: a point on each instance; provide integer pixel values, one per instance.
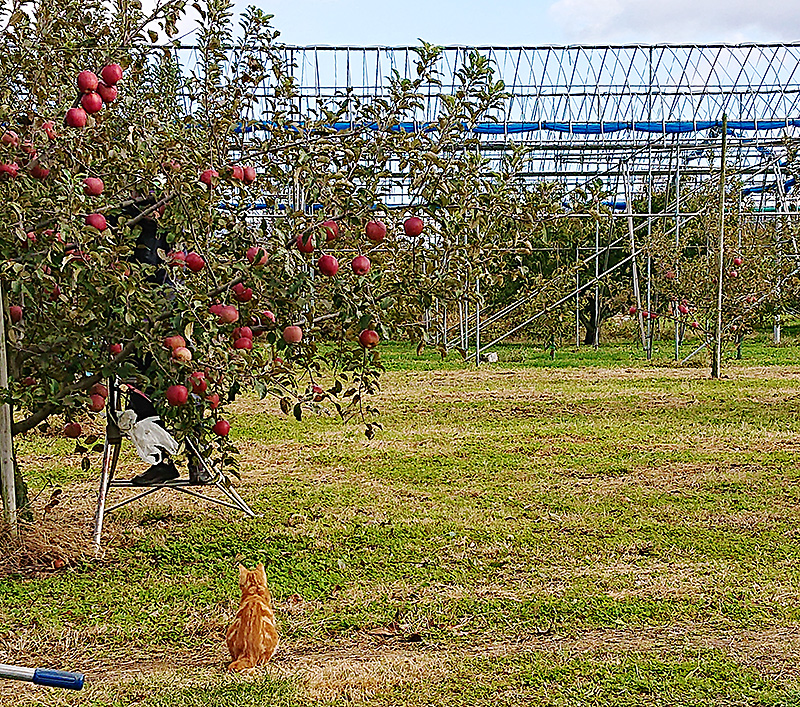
(111, 449)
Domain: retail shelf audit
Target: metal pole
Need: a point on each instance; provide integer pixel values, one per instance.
(6, 442)
(717, 355)
(477, 320)
(577, 300)
(596, 341)
(675, 312)
(635, 267)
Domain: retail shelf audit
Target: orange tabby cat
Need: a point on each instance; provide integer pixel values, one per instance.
(253, 635)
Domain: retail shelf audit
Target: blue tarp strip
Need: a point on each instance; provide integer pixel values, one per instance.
(671, 126)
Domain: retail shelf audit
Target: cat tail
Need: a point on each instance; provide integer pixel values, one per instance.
(242, 664)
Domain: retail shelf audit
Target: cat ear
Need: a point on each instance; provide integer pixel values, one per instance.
(242, 573)
(260, 569)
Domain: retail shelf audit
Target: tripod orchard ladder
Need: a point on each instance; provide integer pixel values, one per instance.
(230, 498)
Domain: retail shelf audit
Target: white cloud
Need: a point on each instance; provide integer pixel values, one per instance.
(699, 21)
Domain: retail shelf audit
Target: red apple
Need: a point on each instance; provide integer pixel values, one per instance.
(177, 395)
(237, 173)
(111, 73)
(10, 138)
(249, 175)
(182, 354)
(683, 309)
(93, 186)
(242, 293)
(413, 226)
(87, 81)
(376, 231)
(228, 314)
(177, 257)
(12, 170)
(632, 309)
(213, 401)
(39, 172)
(243, 332)
(670, 275)
(174, 342)
(96, 403)
(97, 221)
(114, 349)
(243, 343)
(92, 103)
(99, 389)
(256, 256)
(331, 229)
(328, 265)
(106, 92)
(15, 311)
(360, 265)
(198, 381)
(737, 261)
(221, 428)
(208, 177)
(195, 262)
(733, 273)
(695, 325)
(268, 315)
(292, 334)
(73, 429)
(49, 129)
(368, 338)
(76, 118)
(29, 381)
(305, 244)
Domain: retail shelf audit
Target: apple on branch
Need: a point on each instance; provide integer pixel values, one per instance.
(76, 118)
(177, 395)
(256, 256)
(221, 428)
(360, 265)
(305, 243)
(92, 102)
(73, 430)
(376, 231)
(107, 93)
(368, 338)
(194, 261)
(97, 221)
(93, 186)
(87, 81)
(199, 383)
(182, 354)
(111, 74)
(331, 229)
(413, 226)
(292, 334)
(328, 265)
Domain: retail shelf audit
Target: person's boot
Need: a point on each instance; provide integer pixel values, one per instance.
(198, 472)
(156, 474)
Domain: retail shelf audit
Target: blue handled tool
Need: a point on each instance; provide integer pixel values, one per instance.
(42, 676)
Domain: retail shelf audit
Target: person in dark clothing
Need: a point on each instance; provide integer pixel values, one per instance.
(143, 414)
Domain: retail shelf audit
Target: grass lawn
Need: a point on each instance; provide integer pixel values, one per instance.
(589, 530)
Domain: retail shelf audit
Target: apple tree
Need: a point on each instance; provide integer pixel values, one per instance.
(107, 137)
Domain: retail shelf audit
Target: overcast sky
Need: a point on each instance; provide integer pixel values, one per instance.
(530, 22)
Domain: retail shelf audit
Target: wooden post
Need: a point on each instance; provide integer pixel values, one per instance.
(716, 355)
(6, 445)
